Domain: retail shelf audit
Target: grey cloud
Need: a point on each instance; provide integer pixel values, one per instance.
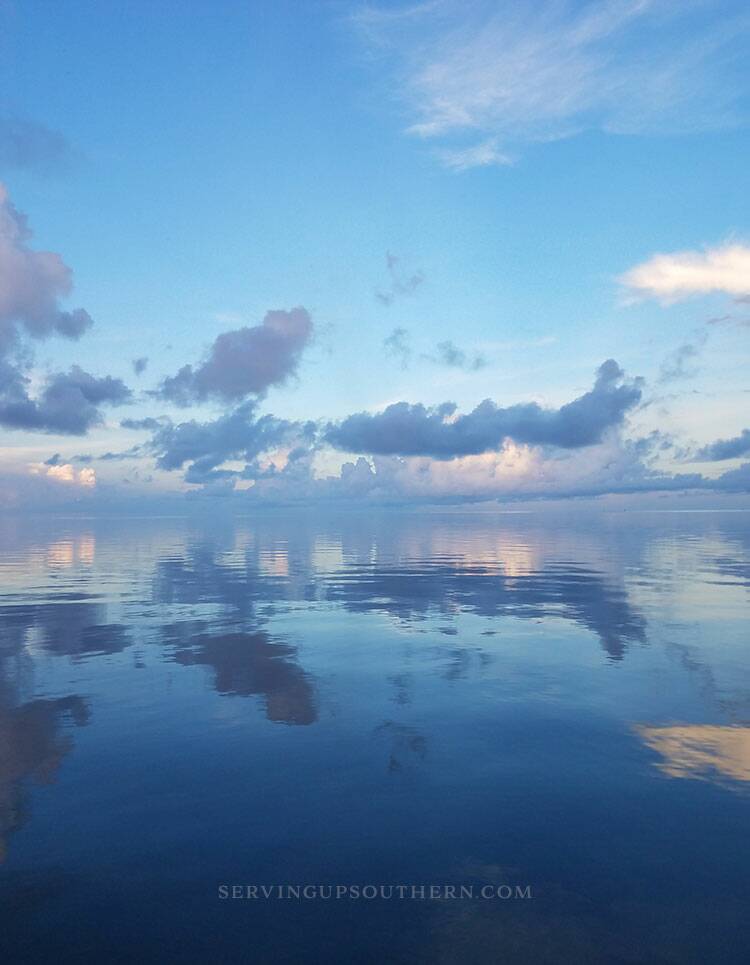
(727, 448)
(32, 284)
(139, 365)
(238, 435)
(27, 145)
(414, 430)
(68, 404)
(398, 284)
(245, 361)
(148, 423)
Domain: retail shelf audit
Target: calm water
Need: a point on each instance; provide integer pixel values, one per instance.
(486, 701)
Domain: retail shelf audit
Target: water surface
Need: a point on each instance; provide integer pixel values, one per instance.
(477, 700)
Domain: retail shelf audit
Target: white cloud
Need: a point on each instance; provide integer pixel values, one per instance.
(538, 70)
(480, 155)
(683, 274)
(65, 473)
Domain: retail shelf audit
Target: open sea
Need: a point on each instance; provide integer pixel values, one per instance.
(386, 737)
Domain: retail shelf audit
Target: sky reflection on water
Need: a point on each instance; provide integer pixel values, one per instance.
(559, 702)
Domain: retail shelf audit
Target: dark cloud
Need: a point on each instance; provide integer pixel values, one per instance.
(448, 353)
(68, 404)
(139, 365)
(238, 435)
(414, 430)
(727, 448)
(399, 284)
(244, 362)
(26, 145)
(148, 423)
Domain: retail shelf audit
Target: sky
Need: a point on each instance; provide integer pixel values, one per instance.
(424, 253)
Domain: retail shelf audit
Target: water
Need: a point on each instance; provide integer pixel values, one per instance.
(502, 702)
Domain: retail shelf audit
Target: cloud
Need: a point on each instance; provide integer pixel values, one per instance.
(680, 364)
(396, 345)
(238, 435)
(414, 430)
(481, 155)
(494, 76)
(32, 284)
(140, 364)
(246, 361)
(683, 274)
(148, 423)
(26, 145)
(399, 284)
(449, 354)
(69, 402)
(727, 448)
(65, 473)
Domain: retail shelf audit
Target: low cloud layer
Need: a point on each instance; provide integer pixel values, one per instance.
(683, 274)
(415, 430)
(246, 361)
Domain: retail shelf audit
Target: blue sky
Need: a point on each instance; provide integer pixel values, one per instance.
(481, 176)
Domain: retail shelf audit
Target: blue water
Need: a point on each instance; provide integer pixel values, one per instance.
(556, 709)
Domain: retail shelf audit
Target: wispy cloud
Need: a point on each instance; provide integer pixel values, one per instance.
(27, 145)
(398, 283)
(501, 76)
(684, 274)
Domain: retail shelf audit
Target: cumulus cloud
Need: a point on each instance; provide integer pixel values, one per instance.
(27, 145)
(32, 283)
(415, 430)
(239, 435)
(63, 472)
(246, 361)
(69, 402)
(727, 448)
(683, 274)
(399, 284)
(494, 77)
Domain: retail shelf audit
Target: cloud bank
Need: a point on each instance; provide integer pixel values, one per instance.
(246, 361)
(415, 430)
